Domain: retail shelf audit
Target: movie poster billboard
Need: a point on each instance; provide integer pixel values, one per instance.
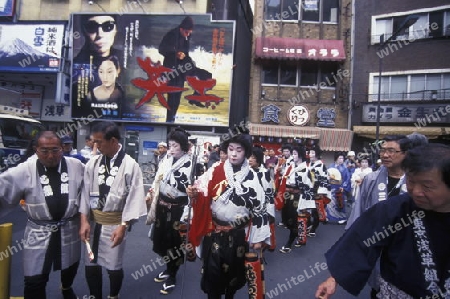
(152, 68)
(31, 47)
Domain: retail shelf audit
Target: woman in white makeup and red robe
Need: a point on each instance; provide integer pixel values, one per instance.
(230, 217)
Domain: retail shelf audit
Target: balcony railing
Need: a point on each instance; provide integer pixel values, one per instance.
(424, 95)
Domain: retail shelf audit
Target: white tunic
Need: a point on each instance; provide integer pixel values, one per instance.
(22, 182)
(126, 195)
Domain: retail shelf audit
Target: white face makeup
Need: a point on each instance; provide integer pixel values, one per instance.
(236, 153)
(312, 156)
(175, 149)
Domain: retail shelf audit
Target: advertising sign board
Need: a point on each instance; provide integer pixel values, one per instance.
(31, 47)
(152, 68)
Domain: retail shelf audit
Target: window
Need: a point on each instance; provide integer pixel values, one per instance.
(431, 24)
(403, 34)
(270, 74)
(308, 72)
(446, 23)
(327, 70)
(433, 83)
(285, 10)
(399, 87)
(420, 29)
(417, 86)
(430, 86)
(273, 7)
(285, 71)
(384, 87)
(330, 11)
(291, 7)
(440, 23)
(311, 10)
(446, 83)
(288, 73)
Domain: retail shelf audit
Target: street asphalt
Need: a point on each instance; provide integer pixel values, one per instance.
(293, 275)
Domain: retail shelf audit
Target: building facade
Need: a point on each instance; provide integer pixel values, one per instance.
(408, 45)
(301, 73)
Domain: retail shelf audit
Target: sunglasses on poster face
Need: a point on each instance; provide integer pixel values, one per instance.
(92, 26)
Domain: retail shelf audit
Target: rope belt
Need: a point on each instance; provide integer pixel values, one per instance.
(107, 218)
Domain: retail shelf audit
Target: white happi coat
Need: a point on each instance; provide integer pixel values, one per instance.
(269, 188)
(22, 182)
(303, 179)
(126, 195)
(251, 203)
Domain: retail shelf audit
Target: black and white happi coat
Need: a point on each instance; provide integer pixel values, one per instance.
(24, 182)
(171, 181)
(268, 185)
(126, 195)
(312, 179)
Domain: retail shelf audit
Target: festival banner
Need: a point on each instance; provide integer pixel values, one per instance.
(152, 68)
(31, 47)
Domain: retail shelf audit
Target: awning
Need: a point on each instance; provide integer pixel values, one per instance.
(330, 139)
(296, 49)
(284, 131)
(430, 132)
(335, 139)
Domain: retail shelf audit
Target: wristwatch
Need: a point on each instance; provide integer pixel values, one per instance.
(124, 224)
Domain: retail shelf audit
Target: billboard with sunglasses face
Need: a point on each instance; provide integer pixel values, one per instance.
(152, 68)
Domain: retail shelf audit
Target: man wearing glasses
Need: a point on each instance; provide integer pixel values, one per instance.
(48, 187)
(386, 182)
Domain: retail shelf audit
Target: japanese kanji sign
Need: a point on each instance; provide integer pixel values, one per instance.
(295, 48)
(298, 115)
(270, 113)
(31, 47)
(436, 113)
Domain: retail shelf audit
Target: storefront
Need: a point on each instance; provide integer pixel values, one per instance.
(329, 139)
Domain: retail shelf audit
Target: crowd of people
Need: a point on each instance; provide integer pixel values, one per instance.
(227, 211)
